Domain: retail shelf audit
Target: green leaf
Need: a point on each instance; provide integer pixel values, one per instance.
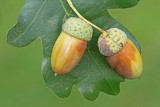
(44, 19)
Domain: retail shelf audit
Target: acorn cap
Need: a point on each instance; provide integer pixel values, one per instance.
(112, 43)
(78, 28)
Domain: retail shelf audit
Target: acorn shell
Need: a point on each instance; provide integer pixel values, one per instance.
(67, 53)
(127, 62)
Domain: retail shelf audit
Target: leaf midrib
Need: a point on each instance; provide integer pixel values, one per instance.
(101, 71)
(65, 10)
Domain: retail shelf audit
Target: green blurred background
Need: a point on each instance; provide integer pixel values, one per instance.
(21, 82)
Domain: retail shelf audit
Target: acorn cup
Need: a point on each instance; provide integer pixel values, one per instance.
(70, 45)
(121, 53)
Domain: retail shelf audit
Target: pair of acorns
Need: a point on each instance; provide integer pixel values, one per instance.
(120, 52)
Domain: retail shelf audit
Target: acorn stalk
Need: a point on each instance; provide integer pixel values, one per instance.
(70, 45)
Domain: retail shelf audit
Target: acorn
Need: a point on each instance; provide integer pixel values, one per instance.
(121, 53)
(70, 45)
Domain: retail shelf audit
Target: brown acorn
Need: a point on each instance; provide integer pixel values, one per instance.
(70, 45)
(125, 59)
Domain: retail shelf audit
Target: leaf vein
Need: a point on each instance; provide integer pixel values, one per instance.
(64, 8)
(62, 87)
(102, 72)
(32, 21)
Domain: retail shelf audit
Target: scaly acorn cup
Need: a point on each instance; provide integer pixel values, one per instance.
(126, 61)
(111, 43)
(70, 45)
